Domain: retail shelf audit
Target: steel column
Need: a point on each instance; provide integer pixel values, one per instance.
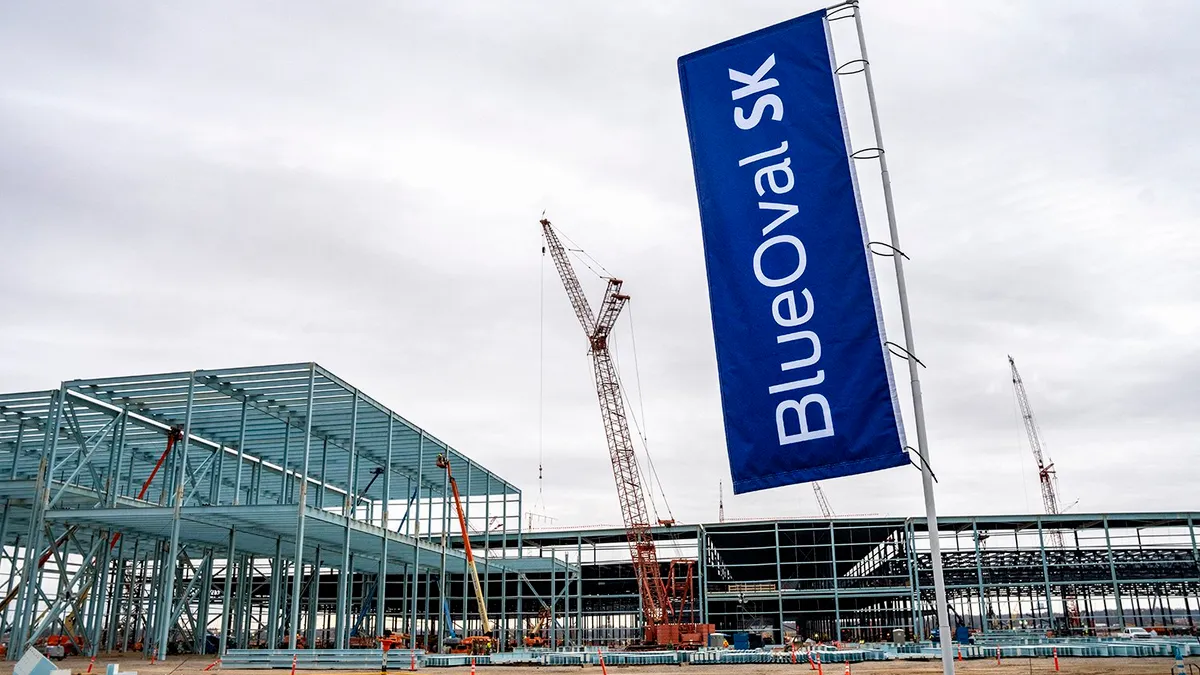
(702, 560)
(1112, 571)
(227, 597)
(313, 586)
(837, 601)
(1045, 575)
(487, 542)
(914, 573)
(381, 587)
(1196, 559)
(164, 628)
(27, 597)
(553, 601)
(276, 591)
(237, 479)
(285, 485)
(324, 463)
(579, 600)
(417, 544)
(294, 621)
(202, 608)
(342, 624)
(445, 527)
(979, 577)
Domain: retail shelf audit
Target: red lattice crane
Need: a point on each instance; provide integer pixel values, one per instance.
(1047, 479)
(657, 609)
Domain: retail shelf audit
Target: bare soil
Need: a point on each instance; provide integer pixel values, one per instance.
(194, 665)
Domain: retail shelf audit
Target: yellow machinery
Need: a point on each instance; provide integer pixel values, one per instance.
(535, 636)
(477, 644)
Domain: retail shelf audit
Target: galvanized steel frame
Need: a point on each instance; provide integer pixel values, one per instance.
(72, 461)
(1137, 568)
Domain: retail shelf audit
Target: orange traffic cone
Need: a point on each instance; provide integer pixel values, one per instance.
(472, 665)
(847, 667)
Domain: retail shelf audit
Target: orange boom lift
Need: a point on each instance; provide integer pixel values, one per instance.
(475, 644)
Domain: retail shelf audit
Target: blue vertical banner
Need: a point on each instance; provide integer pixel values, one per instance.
(806, 381)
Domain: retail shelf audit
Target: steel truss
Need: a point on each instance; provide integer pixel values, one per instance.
(860, 578)
(204, 510)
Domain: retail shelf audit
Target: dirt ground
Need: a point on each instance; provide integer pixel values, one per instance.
(1112, 666)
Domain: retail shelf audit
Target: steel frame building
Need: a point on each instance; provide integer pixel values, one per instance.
(286, 480)
(291, 495)
(859, 578)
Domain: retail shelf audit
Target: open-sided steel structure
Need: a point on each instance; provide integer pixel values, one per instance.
(860, 578)
(295, 510)
(285, 479)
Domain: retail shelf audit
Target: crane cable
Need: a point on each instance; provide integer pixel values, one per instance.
(645, 475)
(652, 477)
(637, 372)
(541, 372)
(580, 256)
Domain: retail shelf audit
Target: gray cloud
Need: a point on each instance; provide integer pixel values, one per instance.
(187, 186)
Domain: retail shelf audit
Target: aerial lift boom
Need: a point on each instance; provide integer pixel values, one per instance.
(443, 462)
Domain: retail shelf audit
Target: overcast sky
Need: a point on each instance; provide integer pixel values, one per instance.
(191, 185)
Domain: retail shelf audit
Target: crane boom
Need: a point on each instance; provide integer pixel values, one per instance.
(579, 301)
(1047, 479)
(822, 501)
(1045, 469)
(656, 608)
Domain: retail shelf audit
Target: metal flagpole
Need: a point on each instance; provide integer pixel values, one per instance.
(939, 583)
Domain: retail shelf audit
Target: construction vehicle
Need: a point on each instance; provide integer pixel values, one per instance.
(390, 640)
(962, 632)
(534, 636)
(59, 647)
(470, 644)
(661, 618)
(301, 642)
(475, 645)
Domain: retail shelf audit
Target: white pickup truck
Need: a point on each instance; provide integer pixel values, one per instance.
(1135, 633)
